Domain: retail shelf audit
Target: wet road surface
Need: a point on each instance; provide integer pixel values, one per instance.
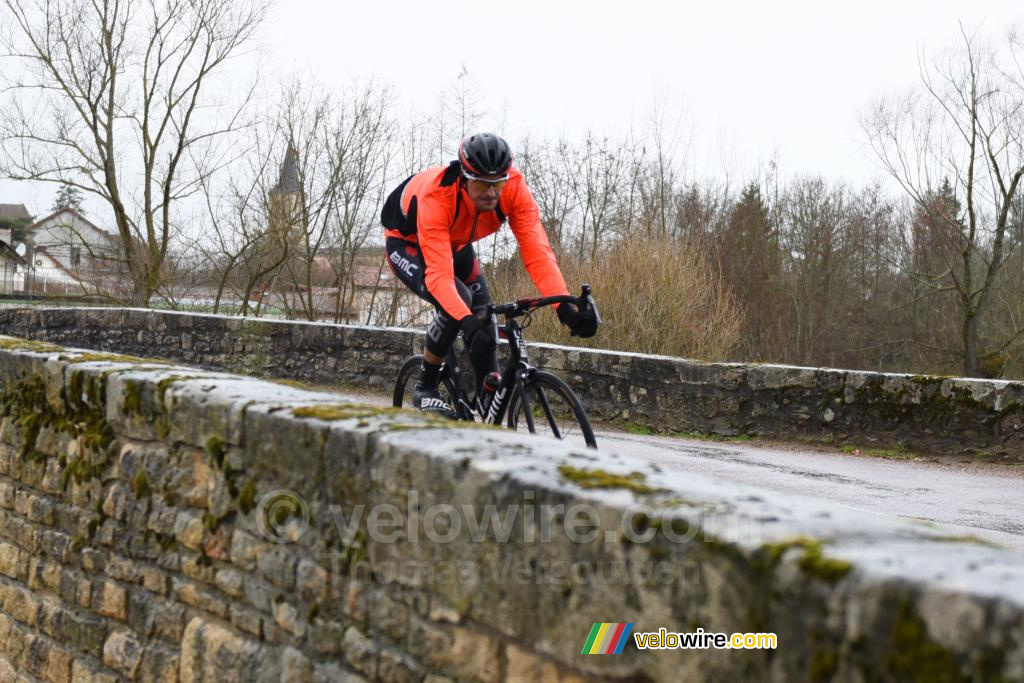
(984, 500)
(969, 498)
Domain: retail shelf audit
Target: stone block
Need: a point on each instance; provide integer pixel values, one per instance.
(168, 621)
(245, 548)
(287, 616)
(83, 633)
(395, 666)
(211, 653)
(7, 495)
(526, 666)
(111, 599)
(57, 668)
(230, 581)
(311, 580)
(361, 651)
(20, 604)
(247, 620)
(160, 665)
(122, 652)
(124, 569)
(81, 672)
(333, 673)
(189, 530)
(154, 580)
(196, 596)
(13, 562)
(277, 564)
(296, 667)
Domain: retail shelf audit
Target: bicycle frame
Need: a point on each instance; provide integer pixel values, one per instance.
(518, 368)
(516, 371)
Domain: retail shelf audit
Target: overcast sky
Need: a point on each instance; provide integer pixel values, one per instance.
(748, 80)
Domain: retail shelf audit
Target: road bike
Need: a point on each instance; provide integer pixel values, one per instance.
(526, 399)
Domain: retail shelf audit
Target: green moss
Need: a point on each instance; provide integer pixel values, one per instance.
(276, 515)
(828, 569)
(965, 538)
(132, 403)
(313, 612)
(600, 479)
(896, 453)
(140, 485)
(247, 498)
(165, 383)
(98, 434)
(824, 664)
(672, 502)
(295, 384)
(913, 655)
(167, 542)
(210, 522)
(15, 344)
(814, 562)
(108, 357)
(216, 448)
(637, 428)
(343, 411)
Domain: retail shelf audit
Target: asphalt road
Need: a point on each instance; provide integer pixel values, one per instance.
(984, 500)
(969, 498)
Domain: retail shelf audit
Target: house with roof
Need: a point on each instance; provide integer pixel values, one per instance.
(13, 220)
(68, 254)
(12, 214)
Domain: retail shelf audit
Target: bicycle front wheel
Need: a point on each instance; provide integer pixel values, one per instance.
(555, 410)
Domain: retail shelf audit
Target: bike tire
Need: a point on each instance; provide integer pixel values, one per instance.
(406, 380)
(566, 420)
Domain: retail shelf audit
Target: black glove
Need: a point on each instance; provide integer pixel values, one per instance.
(580, 323)
(479, 333)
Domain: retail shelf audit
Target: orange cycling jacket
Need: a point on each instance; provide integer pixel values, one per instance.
(434, 210)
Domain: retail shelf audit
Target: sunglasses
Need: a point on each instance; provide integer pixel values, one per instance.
(483, 184)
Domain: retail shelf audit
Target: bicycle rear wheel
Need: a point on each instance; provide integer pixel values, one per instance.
(555, 409)
(406, 382)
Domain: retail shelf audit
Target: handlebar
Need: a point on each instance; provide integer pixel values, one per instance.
(521, 307)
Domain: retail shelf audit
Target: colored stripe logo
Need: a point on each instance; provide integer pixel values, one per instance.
(607, 639)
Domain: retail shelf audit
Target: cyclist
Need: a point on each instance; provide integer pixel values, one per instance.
(430, 223)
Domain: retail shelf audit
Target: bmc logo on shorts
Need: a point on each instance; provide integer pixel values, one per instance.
(403, 264)
(433, 404)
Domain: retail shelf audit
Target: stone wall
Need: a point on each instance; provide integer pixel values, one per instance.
(926, 413)
(166, 523)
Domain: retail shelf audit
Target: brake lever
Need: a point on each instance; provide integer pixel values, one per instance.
(586, 301)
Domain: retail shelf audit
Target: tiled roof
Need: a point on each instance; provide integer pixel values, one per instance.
(13, 212)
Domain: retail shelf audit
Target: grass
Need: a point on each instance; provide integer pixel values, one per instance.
(897, 453)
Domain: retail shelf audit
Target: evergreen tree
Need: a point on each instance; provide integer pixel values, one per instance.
(752, 267)
(68, 197)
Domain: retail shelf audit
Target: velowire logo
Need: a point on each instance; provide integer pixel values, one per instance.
(607, 639)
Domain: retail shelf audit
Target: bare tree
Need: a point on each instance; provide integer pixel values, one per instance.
(241, 251)
(965, 124)
(115, 97)
(811, 237)
(596, 173)
(363, 146)
(545, 174)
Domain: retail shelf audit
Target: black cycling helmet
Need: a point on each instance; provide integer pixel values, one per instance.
(485, 154)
